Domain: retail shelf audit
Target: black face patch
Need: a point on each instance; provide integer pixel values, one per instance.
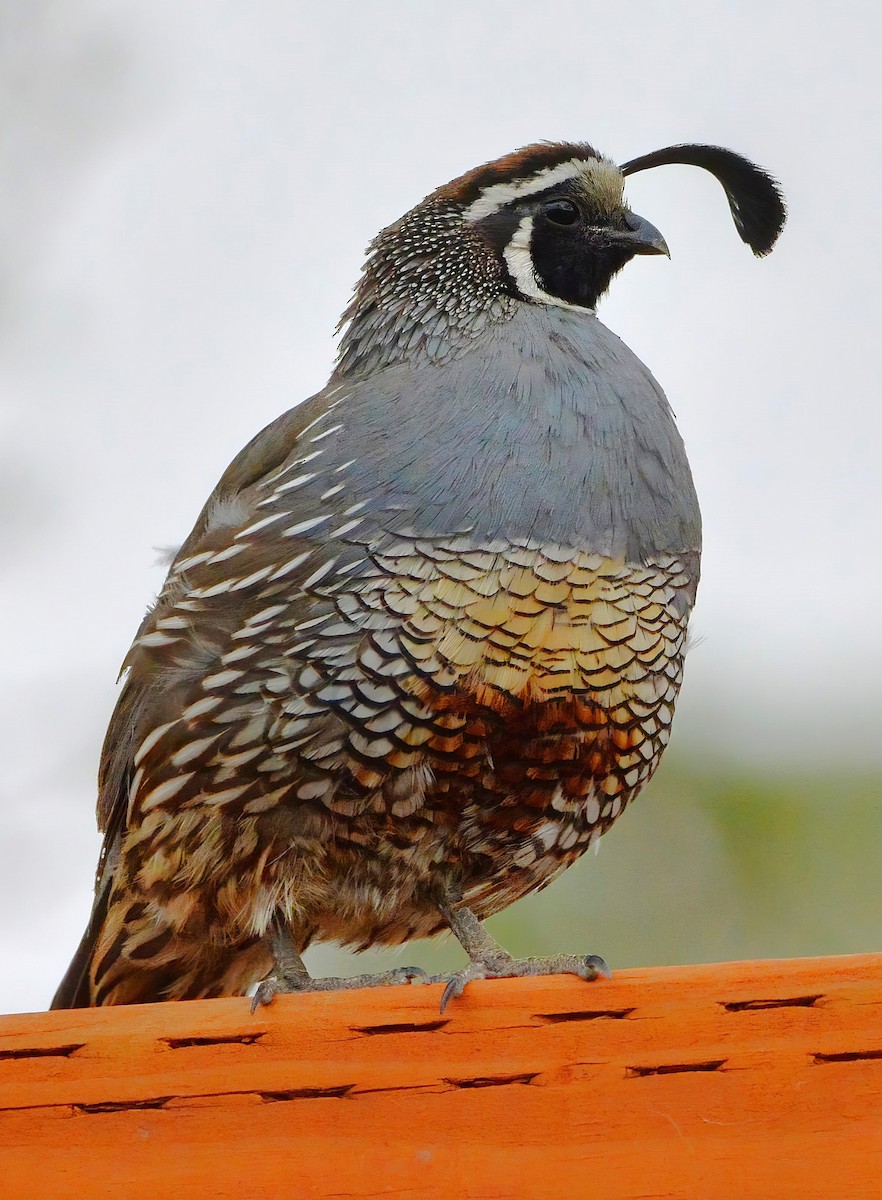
(572, 259)
(574, 262)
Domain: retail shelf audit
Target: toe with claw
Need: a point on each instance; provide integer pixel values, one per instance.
(291, 975)
(488, 960)
(586, 966)
(276, 984)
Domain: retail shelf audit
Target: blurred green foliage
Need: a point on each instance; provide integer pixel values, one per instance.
(708, 864)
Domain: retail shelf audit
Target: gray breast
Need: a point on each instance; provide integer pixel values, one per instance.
(548, 428)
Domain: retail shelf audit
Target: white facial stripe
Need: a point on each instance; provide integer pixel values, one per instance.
(498, 195)
(603, 174)
(519, 260)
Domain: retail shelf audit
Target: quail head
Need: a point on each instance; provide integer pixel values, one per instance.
(423, 644)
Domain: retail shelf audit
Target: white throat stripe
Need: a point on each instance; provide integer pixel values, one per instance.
(519, 260)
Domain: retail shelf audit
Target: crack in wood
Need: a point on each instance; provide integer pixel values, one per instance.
(233, 1039)
(594, 1014)
(114, 1106)
(482, 1081)
(308, 1093)
(848, 1056)
(42, 1051)
(434, 1089)
(760, 1005)
(674, 1068)
(400, 1027)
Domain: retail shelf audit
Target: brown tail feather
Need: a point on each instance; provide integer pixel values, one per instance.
(111, 967)
(74, 990)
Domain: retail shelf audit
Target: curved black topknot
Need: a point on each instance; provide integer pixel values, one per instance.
(754, 197)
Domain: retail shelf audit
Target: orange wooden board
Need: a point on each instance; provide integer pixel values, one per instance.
(756, 1079)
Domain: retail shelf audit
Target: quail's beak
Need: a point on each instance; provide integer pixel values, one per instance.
(642, 237)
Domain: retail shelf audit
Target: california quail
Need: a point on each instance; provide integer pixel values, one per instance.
(424, 642)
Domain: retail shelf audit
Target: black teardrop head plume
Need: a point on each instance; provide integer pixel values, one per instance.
(754, 196)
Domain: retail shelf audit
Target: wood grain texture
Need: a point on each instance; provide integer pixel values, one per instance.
(757, 1079)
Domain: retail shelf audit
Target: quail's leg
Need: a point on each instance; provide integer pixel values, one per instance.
(488, 960)
(291, 975)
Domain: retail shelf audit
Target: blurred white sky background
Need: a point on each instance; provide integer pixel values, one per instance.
(187, 192)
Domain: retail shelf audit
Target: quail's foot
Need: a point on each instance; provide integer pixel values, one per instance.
(291, 975)
(490, 961)
(586, 966)
(273, 985)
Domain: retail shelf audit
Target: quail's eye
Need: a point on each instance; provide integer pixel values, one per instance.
(561, 212)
